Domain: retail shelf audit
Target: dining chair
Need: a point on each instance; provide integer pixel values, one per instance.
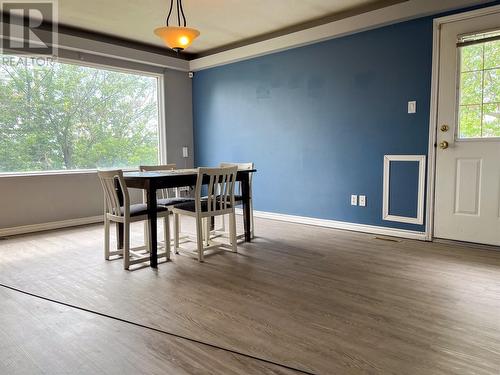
(122, 212)
(219, 201)
(238, 197)
(166, 197)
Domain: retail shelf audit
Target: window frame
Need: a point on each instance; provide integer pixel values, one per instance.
(457, 99)
(162, 140)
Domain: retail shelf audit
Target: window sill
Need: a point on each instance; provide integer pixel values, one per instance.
(57, 173)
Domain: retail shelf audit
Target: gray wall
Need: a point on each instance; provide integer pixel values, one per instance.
(38, 199)
(179, 117)
(35, 199)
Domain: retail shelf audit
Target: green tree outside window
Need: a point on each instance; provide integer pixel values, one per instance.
(62, 116)
(479, 101)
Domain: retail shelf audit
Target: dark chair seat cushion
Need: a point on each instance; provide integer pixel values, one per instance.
(172, 201)
(191, 206)
(141, 209)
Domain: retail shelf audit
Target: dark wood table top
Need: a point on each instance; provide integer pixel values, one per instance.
(173, 178)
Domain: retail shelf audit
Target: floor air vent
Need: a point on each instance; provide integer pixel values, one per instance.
(390, 239)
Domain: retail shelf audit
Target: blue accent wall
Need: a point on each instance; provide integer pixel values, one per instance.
(318, 120)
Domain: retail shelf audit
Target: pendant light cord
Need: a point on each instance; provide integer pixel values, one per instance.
(180, 12)
(170, 11)
(178, 15)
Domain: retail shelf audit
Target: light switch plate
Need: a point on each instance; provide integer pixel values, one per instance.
(354, 200)
(362, 200)
(185, 152)
(412, 107)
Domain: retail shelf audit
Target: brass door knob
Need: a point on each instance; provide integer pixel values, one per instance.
(445, 128)
(443, 145)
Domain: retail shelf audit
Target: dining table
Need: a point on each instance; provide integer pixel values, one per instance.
(151, 182)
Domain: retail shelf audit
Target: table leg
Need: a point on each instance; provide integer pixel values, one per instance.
(245, 192)
(152, 214)
(119, 236)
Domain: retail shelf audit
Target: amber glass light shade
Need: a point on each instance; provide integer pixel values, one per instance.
(177, 38)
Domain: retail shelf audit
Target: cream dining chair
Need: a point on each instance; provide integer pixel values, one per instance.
(219, 201)
(166, 197)
(125, 213)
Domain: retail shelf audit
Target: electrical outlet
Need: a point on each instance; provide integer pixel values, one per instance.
(354, 200)
(362, 200)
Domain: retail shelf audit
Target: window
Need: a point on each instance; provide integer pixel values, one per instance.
(479, 97)
(62, 116)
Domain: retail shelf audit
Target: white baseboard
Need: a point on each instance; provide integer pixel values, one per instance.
(4, 232)
(393, 232)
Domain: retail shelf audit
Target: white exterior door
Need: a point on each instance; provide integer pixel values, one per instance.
(467, 191)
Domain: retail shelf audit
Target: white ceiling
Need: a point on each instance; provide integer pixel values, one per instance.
(220, 22)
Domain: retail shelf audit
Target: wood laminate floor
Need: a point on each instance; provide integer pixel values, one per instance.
(317, 299)
(39, 337)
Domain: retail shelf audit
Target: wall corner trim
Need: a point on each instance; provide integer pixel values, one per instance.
(343, 225)
(31, 228)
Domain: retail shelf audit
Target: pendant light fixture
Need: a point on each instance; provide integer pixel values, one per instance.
(177, 37)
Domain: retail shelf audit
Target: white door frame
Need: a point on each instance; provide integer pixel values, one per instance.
(431, 169)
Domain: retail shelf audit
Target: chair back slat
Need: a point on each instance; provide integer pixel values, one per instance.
(221, 183)
(161, 193)
(226, 192)
(211, 198)
(113, 183)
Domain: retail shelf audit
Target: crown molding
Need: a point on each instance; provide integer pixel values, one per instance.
(379, 4)
(395, 13)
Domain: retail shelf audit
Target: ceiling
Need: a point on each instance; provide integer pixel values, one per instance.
(221, 22)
